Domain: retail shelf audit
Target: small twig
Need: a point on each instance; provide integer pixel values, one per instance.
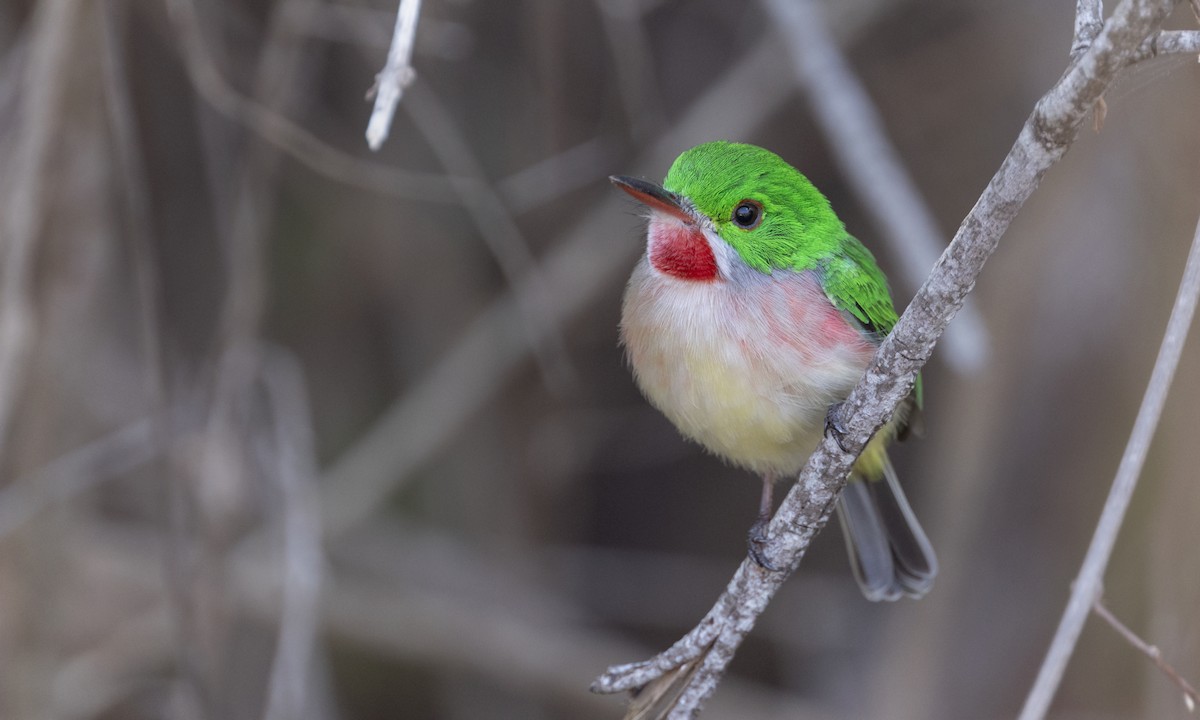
(396, 75)
(1190, 696)
(1087, 585)
(297, 142)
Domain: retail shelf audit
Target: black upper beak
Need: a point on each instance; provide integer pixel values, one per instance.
(654, 196)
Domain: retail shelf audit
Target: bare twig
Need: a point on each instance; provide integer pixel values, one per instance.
(1043, 140)
(290, 137)
(1087, 586)
(1190, 696)
(870, 163)
(396, 75)
(366, 27)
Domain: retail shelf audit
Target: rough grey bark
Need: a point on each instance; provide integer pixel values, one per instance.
(1044, 139)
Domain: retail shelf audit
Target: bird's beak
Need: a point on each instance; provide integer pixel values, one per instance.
(654, 196)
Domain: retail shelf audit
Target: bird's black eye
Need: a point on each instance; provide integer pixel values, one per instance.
(748, 214)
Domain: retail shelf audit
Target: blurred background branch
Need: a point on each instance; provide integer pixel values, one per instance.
(1088, 585)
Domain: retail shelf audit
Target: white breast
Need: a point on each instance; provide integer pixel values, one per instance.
(746, 365)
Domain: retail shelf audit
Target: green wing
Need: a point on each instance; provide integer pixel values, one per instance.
(854, 283)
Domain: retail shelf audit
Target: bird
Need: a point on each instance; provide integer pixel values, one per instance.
(751, 314)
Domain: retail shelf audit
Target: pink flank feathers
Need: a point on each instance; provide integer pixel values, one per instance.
(743, 362)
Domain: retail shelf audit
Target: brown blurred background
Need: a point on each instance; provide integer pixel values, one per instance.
(297, 431)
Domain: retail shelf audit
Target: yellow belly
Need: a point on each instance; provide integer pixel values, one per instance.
(709, 357)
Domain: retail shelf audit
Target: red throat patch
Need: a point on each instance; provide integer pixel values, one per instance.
(681, 251)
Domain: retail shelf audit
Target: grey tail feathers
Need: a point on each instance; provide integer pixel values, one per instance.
(889, 553)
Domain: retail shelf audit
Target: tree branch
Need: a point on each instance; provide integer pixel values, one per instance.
(396, 75)
(1043, 140)
(1169, 42)
(1089, 21)
(1086, 588)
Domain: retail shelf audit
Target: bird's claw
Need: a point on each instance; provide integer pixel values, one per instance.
(756, 543)
(834, 427)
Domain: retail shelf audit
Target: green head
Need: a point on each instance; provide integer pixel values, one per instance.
(764, 208)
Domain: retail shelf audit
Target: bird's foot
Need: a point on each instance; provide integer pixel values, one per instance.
(834, 427)
(756, 543)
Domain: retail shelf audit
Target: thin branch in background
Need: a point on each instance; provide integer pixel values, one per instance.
(366, 27)
(26, 182)
(297, 142)
(72, 473)
(1044, 139)
(296, 473)
(132, 171)
(550, 178)
(91, 681)
(206, 495)
(500, 233)
(870, 163)
(396, 75)
(362, 26)
(633, 62)
(1087, 586)
(1190, 696)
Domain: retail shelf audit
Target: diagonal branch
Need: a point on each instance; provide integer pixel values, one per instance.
(396, 75)
(1087, 586)
(1043, 140)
